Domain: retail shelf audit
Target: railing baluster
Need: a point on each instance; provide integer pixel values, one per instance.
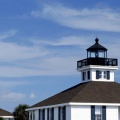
(97, 61)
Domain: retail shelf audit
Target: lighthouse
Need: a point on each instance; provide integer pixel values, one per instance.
(97, 66)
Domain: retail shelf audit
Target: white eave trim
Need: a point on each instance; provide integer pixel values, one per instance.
(75, 104)
(98, 66)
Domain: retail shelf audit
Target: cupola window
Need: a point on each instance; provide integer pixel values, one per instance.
(102, 74)
(88, 75)
(107, 75)
(98, 74)
(84, 76)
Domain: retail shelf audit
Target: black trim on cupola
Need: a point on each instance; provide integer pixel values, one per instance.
(96, 46)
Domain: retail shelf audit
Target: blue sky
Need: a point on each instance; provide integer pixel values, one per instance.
(41, 41)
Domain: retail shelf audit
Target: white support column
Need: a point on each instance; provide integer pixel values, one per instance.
(36, 114)
(56, 113)
(68, 112)
(45, 114)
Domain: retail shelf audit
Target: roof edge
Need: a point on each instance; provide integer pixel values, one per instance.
(75, 104)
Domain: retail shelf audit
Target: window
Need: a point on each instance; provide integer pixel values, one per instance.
(98, 112)
(62, 113)
(84, 75)
(107, 75)
(88, 75)
(51, 114)
(33, 115)
(98, 74)
(42, 114)
(98, 117)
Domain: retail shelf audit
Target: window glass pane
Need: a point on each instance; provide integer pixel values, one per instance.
(105, 74)
(98, 113)
(100, 74)
(33, 115)
(97, 74)
(92, 54)
(62, 113)
(88, 74)
(84, 75)
(108, 75)
(98, 117)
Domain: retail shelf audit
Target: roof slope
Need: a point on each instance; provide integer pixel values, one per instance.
(5, 113)
(89, 92)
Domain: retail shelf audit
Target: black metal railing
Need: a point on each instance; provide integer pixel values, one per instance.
(97, 61)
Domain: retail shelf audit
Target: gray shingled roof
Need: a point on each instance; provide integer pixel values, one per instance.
(5, 113)
(89, 92)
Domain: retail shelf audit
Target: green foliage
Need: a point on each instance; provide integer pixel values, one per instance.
(20, 113)
(1, 118)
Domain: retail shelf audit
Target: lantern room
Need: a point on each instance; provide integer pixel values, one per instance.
(96, 50)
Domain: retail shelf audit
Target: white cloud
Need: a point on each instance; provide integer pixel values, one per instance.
(11, 51)
(32, 95)
(5, 35)
(11, 96)
(67, 40)
(10, 83)
(46, 66)
(91, 19)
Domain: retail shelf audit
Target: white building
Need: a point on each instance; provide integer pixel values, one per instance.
(97, 97)
(6, 114)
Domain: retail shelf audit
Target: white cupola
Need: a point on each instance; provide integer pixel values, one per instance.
(97, 67)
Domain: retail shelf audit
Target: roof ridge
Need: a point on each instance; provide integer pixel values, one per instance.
(81, 89)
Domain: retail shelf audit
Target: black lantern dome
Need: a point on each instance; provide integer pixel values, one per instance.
(97, 50)
(97, 55)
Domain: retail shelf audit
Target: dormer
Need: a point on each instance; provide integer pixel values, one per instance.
(97, 67)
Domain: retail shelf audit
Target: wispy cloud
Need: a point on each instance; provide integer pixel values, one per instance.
(7, 34)
(67, 40)
(11, 51)
(90, 19)
(4, 84)
(11, 96)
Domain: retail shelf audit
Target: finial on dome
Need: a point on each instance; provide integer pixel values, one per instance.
(96, 40)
